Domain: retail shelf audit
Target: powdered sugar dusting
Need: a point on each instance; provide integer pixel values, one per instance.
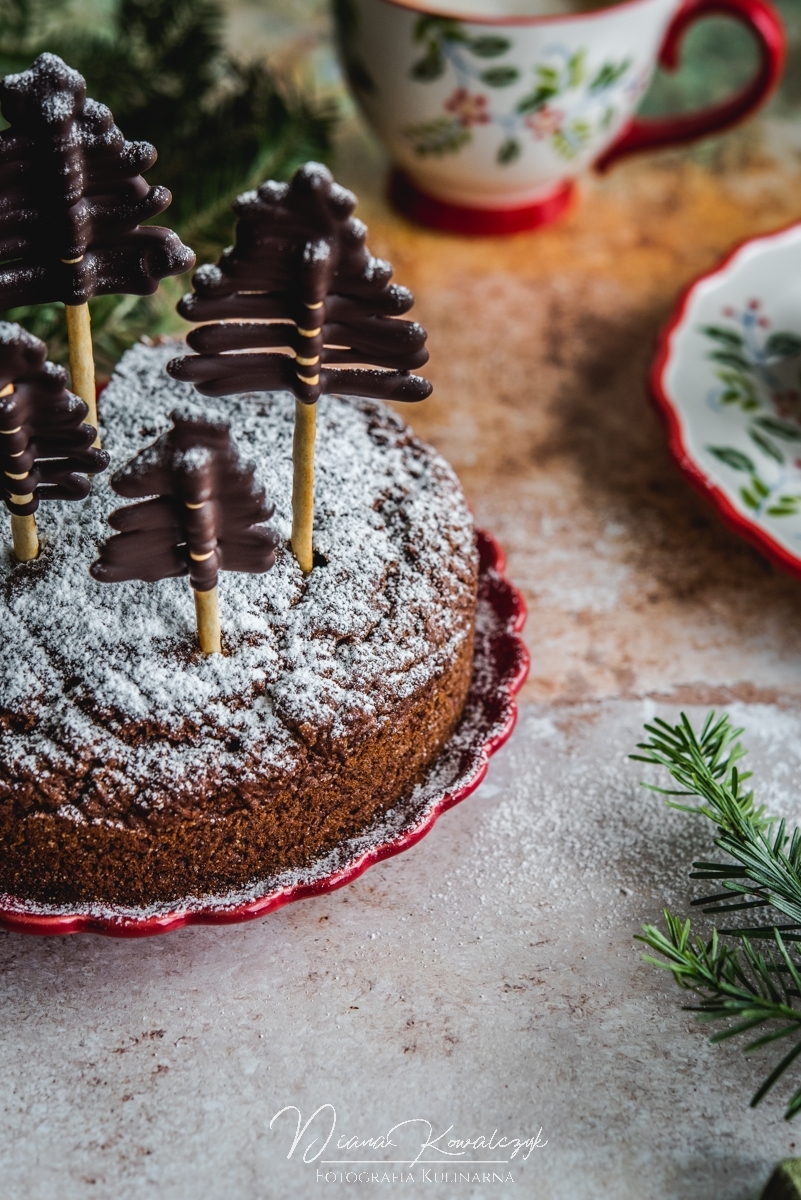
(91, 665)
(488, 717)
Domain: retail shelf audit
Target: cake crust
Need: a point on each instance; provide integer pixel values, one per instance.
(133, 771)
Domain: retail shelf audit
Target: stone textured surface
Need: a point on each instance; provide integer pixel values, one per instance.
(487, 978)
(540, 348)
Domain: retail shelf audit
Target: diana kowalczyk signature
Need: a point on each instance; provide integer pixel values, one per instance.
(314, 1136)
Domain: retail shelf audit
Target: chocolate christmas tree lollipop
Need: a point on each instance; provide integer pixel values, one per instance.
(206, 516)
(45, 447)
(301, 281)
(72, 199)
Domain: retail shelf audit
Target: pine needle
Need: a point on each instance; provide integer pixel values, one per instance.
(733, 979)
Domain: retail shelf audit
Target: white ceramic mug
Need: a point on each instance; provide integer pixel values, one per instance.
(489, 113)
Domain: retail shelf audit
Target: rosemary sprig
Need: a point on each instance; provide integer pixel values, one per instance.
(737, 983)
(733, 979)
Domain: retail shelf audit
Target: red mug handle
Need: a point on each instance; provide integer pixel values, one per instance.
(766, 25)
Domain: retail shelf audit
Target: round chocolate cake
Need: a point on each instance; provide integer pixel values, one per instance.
(133, 769)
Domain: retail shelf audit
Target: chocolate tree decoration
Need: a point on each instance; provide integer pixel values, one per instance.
(205, 516)
(72, 199)
(45, 447)
(300, 281)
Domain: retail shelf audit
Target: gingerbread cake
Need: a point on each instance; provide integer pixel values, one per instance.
(134, 770)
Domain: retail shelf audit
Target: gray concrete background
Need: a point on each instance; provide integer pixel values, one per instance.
(485, 980)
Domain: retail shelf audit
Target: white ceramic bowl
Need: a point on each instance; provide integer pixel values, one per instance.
(727, 380)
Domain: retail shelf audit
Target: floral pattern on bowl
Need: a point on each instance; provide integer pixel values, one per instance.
(728, 382)
(567, 103)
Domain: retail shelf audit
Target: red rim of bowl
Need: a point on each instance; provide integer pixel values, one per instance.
(508, 660)
(665, 406)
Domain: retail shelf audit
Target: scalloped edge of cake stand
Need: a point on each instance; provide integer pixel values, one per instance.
(500, 668)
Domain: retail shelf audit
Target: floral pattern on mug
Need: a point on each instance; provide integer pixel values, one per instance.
(589, 100)
(470, 108)
(545, 122)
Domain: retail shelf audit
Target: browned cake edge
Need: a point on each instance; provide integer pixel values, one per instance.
(232, 840)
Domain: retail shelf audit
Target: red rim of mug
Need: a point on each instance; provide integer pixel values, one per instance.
(424, 209)
(426, 9)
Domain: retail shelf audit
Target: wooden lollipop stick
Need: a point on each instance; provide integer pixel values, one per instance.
(303, 483)
(23, 529)
(25, 537)
(207, 611)
(82, 363)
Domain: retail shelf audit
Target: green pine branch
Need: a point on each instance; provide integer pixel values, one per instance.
(734, 981)
(117, 322)
(736, 984)
(220, 125)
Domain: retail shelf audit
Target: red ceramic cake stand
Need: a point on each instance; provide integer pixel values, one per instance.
(500, 668)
